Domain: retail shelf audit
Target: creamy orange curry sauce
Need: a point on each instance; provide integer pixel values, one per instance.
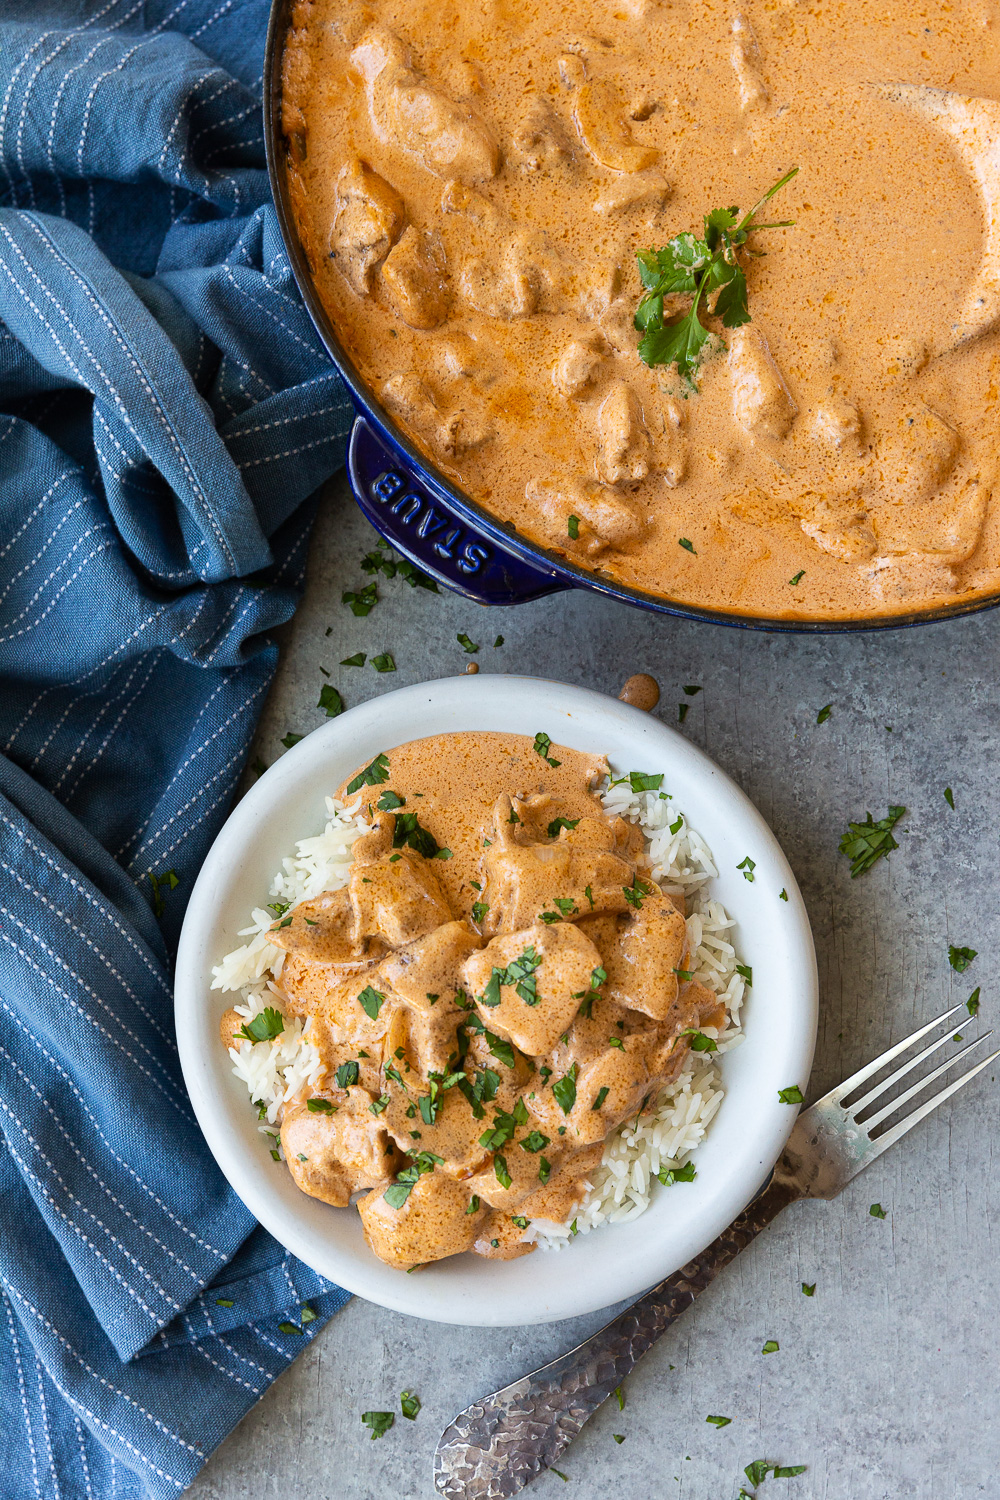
(472, 182)
(499, 986)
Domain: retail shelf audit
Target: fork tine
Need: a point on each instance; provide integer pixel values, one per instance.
(892, 1136)
(858, 1078)
(921, 1083)
(859, 1105)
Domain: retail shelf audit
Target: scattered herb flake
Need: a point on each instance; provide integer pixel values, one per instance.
(224, 1302)
(479, 910)
(747, 866)
(347, 1074)
(824, 713)
(290, 1328)
(682, 712)
(602, 1094)
(687, 545)
(291, 739)
(960, 958)
(792, 1095)
(564, 1090)
(620, 1397)
(573, 528)
(619, 1437)
(745, 971)
(771, 1347)
(384, 662)
(378, 1421)
(809, 1288)
(363, 601)
(263, 1027)
(502, 1173)
(373, 774)
(307, 1314)
(498, 642)
(972, 1004)
(466, 644)
(949, 797)
(669, 1175)
(544, 1170)
(877, 1211)
(371, 1001)
(357, 660)
(317, 1106)
(558, 824)
(542, 746)
(691, 689)
(409, 1405)
(330, 701)
(167, 880)
(864, 843)
(782, 894)
(719, 1421)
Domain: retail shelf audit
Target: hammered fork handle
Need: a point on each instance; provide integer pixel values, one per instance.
(498, 1445)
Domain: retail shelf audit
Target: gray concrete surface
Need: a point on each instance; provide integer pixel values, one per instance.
(886, 1381)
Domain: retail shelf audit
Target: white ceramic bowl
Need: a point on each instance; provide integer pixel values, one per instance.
(748, 1133)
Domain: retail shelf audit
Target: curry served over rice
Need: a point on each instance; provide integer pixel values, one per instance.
(499, 985)
(472, 184)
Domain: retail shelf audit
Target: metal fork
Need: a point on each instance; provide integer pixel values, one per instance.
(499, 1444)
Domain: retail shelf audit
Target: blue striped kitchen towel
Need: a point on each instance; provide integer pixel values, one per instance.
(166, 413)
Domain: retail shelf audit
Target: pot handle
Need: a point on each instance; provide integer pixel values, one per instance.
(422, 528)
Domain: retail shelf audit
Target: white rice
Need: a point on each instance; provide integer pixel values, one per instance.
(664, 1136)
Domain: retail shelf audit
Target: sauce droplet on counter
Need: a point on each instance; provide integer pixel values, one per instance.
(642, 691)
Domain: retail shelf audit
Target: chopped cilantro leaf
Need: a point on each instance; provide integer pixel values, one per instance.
(824, 713)
(291, 739)
(699, 1041)
(363, 601)
(747, 866)
(669, 1175)
(384, 662)
(602, 1094)
(719, 1421)
(745, 971)
(317, 1106)
(573, 528)
(676, 826)
(409, 1405)
(791, 1095)
(542, 745)
(809, 1288)
(263, 1027)
(949, 797)
(683, 541)
(558, 824)
(388, 802)
(498, 642)
(290, 1328)
(877, 1211)
(466, 644)
(972, 1004)
(564, 1090)
(535, 1141)
(682, 712)
(479, 910)
(544, 1170)
(798, 577)
(357, 660)
(378, 1421)
(864, 843)
(782, 894)
(960, 958)
(410, 832)
(371, 1001)
(373, 774)
(771, 1347)
(502, 1173)
(347, 1074)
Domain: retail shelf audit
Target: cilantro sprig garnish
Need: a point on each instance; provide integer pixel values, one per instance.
(698, 267)
(264, 1026)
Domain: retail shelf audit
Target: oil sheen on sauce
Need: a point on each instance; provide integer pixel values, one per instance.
(499, 986)
(471, 184)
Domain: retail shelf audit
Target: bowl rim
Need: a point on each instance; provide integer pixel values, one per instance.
(489, 1293)
(503, 534)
